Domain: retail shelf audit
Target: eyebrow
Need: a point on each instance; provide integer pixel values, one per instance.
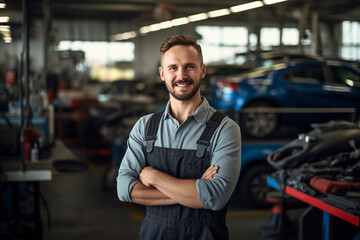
(171, 65)
(186, 64)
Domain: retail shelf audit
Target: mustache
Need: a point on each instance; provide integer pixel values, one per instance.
(183, 81)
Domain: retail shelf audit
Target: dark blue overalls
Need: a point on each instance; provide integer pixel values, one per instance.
(177, 221)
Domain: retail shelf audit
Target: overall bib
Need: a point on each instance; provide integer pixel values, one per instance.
(177, 221)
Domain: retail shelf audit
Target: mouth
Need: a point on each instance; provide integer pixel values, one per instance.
(184, 83)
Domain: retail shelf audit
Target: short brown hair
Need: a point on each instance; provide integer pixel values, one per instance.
(181, 40)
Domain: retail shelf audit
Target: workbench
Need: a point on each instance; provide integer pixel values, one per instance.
(329, 211)
(15, 173)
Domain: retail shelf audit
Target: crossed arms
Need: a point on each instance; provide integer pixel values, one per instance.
(148, 186)
(158, 188)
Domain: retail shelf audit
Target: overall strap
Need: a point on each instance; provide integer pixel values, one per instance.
(152, 130)
(211, 125)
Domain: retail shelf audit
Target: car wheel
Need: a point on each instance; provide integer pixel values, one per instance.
(258, 124)
(253, 188)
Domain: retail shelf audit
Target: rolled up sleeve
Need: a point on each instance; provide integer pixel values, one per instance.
(226, 153)
(132, 163)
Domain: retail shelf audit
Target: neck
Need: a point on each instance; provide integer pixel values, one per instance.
(181, 110)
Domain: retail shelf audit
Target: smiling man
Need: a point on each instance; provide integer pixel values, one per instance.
(182, 163)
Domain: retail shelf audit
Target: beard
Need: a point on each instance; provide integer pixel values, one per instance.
(180, 95)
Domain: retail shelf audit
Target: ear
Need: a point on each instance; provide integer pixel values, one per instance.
(161, 72)
(203, 71)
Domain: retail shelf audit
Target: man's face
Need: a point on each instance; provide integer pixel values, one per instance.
(182, 71)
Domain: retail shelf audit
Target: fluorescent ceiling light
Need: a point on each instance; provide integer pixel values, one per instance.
(4, 28)
(125, 36)
(269, 2)
(193, 18)
(154, 27)
(198, 17)
(246, 6)
(219, 13)
(180, 21)
(131, 34)
(7, 39)
(2, 5)
(166, 24)
(144, 30)
(4, 19)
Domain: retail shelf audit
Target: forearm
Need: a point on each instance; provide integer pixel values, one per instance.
(183, 191)
(144, 195)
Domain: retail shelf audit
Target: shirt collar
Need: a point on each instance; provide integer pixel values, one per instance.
(200, 115)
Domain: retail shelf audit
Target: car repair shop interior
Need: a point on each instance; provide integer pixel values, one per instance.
(75, 76)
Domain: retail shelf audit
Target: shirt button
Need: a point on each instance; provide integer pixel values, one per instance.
(176, 127)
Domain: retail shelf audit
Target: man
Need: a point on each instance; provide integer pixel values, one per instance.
(183, 163)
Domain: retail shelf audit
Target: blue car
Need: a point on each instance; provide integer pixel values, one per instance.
(298, 93)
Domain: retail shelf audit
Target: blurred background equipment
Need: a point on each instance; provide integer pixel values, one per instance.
(76, 75)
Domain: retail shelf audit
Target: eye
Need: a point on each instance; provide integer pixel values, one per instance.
(190, 66)
(172, 68)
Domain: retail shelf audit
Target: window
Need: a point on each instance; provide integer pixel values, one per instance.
(290, 36)
(350, 48)
(306, 74)
(103, 58)
(345, 76)
(269, 37)
(222, 44)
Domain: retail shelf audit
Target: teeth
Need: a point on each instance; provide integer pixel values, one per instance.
(182, 83)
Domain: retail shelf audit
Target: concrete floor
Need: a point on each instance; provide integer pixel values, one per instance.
(82, 209)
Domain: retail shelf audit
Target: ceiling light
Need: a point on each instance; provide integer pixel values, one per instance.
(269, 2)
(154, 27)
(4, 28)
(193, 18)
(198, 17)
(7, 39)
(166, 24)
(246, 6)
(180, 21)
(219, 13)
(4, 19)
(128, 35)
(2, 5)
(144, 30)
(124, 36)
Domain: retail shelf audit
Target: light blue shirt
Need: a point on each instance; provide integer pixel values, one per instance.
(224, 149)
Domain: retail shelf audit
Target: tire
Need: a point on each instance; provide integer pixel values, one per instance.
(259, 124)
(252, 187)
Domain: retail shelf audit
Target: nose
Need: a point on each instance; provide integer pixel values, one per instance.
(181, 73)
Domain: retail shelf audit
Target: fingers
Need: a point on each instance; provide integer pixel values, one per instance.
(210, 172)
(146, 175)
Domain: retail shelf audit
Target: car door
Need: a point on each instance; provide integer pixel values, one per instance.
(344, 84)
(310, 96)
(303, 86)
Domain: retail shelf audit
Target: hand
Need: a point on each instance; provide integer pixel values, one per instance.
(146, 175)
(210, 172)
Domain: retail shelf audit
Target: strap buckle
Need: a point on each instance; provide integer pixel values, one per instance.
(149, 143)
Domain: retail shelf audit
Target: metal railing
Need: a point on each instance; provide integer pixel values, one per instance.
(351, 111)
